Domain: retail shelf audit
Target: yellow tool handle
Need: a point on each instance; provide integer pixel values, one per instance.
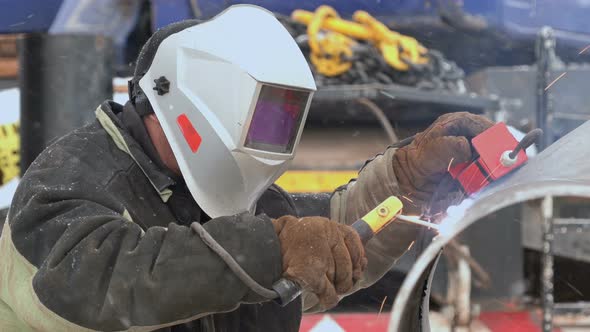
(374, 221)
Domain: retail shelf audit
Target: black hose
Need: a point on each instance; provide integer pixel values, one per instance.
(526, 141)
(380, 115)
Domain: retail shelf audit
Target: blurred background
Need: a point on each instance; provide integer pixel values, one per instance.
(524, 62)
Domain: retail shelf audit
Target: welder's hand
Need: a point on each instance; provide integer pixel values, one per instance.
(421, 165)
(323, 256)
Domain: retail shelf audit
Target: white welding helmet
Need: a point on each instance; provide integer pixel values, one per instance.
(232, 95)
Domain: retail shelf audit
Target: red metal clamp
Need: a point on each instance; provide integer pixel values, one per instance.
(494, 148)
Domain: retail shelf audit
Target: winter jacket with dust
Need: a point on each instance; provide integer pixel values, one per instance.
(98, 239)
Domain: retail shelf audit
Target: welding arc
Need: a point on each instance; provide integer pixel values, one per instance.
(526, 141)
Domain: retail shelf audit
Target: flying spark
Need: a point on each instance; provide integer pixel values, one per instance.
(555, 80)
(584, 49)
(17, 24)
(471, 178)
(408, 199)
(450, 163)
(572, 287)
(490, 175)
(382, 304)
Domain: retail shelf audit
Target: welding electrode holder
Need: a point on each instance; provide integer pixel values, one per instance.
(284, 291)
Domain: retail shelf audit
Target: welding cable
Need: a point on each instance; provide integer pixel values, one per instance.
(197, 13)
(380, 115)
(232, 264)
(397, 145)
(526, 141)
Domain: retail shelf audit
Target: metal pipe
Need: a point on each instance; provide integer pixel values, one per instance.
(547, 273)
(63, 79)
(545, 51)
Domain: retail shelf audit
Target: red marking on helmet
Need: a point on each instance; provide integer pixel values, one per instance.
(189, 132)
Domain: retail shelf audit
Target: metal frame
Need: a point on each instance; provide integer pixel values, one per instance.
(54, 98)
(547, 261)
(546, 60)
(545, 53)
(406, 94)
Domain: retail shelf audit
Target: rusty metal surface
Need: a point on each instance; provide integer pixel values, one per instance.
(563, 169)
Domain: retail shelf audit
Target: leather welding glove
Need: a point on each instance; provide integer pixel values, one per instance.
(322, 256)
(412, 173)
(421, 165)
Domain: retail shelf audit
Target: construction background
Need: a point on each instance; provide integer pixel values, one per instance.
(385, 70)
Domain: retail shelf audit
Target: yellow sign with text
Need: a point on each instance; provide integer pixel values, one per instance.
(9, 152)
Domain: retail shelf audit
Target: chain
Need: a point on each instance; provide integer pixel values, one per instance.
(369, 67)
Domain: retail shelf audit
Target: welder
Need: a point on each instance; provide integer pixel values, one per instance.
(113, 227)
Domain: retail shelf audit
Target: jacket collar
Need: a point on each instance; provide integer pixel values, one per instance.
(107, 115)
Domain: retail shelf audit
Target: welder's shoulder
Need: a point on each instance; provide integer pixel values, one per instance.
(87, 154)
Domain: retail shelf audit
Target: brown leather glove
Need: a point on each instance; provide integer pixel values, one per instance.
(421, 165)
(323, 256)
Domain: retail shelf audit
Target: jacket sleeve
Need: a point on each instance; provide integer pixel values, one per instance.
(376, 182)
(77, 262)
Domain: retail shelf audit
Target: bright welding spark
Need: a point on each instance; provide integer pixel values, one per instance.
(584, 49)
(382, 304)
(572, 287)
(555, 80)
(408, 199)
(453, 215)
(450, 163)
(411, 245)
